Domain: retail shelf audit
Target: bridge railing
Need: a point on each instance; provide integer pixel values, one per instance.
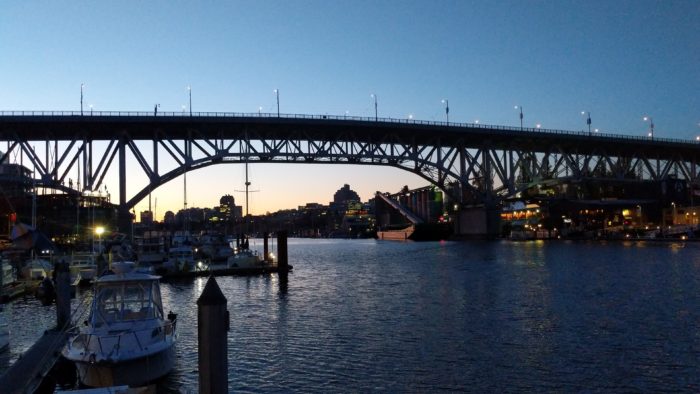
(451, 125)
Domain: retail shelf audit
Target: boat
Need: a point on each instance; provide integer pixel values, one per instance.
(180, 259)
(127, 339)
(181, 254)
(37, 268)
(10, 287)
(150, 250)
(83, 269)
(214, 246)
(245, 258)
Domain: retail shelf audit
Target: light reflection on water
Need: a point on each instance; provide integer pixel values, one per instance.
(365, 315)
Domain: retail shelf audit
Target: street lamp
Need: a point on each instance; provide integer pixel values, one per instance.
(447, 109)
(90, 109)
(277, 94)
(189, 90)
(651, 125)
(81, 98)
(520, 107)
(374, 96)
(588, 120)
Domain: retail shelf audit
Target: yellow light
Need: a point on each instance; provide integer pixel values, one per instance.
(99, 230)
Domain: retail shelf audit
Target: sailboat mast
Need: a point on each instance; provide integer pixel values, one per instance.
(185, 200)
(247, 185)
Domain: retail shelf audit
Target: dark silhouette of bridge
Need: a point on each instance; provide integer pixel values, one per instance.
(475, 165)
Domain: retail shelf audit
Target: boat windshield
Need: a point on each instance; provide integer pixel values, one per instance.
(126, 301)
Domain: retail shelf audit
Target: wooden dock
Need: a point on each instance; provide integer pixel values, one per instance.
(225, 272)
(26, 374)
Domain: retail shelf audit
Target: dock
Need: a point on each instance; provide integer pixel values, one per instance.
(226, 272)
(27, 373)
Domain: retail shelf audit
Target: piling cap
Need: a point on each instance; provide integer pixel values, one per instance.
(211, 295)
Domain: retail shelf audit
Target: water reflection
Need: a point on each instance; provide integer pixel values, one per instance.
(426, 317)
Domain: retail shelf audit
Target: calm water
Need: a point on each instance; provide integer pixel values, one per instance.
(364, 315)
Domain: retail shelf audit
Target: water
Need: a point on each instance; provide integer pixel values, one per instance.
(363, 315)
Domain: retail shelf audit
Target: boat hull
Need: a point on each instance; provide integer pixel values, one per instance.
(134, 372)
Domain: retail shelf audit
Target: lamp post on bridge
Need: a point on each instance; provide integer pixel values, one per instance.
(81, 98)
(277, 94)
(447, 109)
(374, 96)
(189, 90)
(588, 120)
(520, 107)
(651, 125)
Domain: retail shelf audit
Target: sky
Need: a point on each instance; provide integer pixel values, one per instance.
(620, 60)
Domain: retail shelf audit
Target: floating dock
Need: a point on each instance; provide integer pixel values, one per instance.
(234, 271)
(27, 373)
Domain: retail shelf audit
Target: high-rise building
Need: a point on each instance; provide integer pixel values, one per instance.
(345, 194)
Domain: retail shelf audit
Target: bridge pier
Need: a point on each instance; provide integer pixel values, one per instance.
(477, 222)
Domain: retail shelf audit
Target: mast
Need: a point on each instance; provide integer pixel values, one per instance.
(186, 224)
(247, 185)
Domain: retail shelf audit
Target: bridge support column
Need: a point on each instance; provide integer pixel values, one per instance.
(477, 222)
(123, 215)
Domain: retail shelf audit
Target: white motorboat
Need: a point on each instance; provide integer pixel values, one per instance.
(150, 250)
(214, 246)
(127, 339)
(83, 269)
(180, 259)
(37, 269)
(245, 258)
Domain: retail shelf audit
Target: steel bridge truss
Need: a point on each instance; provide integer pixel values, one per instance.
(468, 172)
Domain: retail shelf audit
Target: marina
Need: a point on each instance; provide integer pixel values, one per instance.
(379, 315)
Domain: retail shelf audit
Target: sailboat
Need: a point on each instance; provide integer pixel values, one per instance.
(182, 247)
(243, 256)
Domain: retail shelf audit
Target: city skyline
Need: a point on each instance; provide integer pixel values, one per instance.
(614, 62)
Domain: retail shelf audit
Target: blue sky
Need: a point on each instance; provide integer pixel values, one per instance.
(620, 60)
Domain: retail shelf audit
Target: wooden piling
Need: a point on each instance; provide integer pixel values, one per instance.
(62, 294)
(266, 251)
(213, 323)
(282, 262)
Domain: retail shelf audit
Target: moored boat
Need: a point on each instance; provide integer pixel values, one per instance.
(83, 269)
(127, 340)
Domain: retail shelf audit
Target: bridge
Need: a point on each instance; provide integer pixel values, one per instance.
(473, 164)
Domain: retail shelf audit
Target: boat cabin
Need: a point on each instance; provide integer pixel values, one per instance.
(126, 298)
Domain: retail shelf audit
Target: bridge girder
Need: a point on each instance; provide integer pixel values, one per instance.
(470, 164)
